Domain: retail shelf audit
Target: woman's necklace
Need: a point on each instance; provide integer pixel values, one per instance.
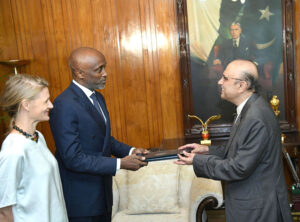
(34, 137)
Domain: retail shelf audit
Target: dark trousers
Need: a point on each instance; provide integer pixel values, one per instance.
(101, 218)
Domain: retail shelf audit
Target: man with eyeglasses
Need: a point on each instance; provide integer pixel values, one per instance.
(250, 162)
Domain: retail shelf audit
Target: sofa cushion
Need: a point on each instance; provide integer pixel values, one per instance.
(116, 199)
(153, 189)
(186, 176)
(121, 184)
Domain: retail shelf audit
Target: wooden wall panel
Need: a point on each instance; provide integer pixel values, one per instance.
(8, 50)
(139, 40)
(152, 76)
(132, 87)
(297, 62)
(167, 40)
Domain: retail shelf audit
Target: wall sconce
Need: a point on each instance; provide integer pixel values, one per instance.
(15, 63)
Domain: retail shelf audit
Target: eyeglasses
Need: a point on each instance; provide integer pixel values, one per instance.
(227, 78)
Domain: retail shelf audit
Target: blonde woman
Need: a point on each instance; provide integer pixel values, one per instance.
(30, 187)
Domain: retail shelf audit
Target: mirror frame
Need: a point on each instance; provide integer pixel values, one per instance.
(223, 130)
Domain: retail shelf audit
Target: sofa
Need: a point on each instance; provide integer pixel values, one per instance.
(163, 191)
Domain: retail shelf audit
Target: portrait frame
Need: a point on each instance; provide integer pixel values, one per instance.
(287, 122)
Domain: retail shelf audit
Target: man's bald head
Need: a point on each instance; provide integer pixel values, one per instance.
(82, 57)
(88, 67)
(239, 81)
(246, 70)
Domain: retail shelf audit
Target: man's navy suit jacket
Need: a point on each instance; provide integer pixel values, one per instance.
(84, 147)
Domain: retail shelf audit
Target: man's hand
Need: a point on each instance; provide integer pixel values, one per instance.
(217, 62)
(140, 150)
(133, 162)
(196, 148)
(185, 159)
(188, 157)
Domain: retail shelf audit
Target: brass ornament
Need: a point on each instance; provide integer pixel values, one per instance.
(275, 104)
(205, 134)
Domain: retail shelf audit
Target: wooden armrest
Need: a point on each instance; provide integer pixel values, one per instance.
(207, 203)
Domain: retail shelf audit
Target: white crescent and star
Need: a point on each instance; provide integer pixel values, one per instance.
(265, 45)
(265, 14)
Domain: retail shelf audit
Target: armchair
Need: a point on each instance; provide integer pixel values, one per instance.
(163, 191)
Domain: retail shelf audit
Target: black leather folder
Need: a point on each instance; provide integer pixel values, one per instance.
(161, 155)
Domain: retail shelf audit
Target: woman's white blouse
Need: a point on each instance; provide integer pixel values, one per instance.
(30, 180)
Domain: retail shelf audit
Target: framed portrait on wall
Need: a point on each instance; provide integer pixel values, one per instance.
(212, 33)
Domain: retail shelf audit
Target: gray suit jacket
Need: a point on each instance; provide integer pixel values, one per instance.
(251, 166)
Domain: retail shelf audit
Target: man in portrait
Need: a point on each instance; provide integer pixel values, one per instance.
(238, 47)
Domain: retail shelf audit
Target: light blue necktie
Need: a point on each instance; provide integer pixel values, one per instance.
(97, 105)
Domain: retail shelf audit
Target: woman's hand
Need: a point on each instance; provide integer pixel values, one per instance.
(6, 214)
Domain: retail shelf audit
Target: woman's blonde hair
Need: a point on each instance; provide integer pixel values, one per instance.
(18, 88)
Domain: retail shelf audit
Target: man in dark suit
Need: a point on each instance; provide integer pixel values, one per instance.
(251, 161)
(238, 47)
(81, 129)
